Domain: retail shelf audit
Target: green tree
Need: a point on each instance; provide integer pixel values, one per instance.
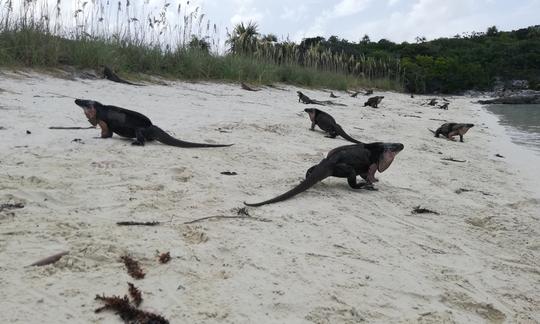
(200, 44)
(243, 39)
(492, 31)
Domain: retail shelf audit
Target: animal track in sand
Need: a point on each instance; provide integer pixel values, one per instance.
(107, 164)
(467, 303)
(346, 314)
(181, 174)
(194, 235)
(434, 318)
(482, 222)
(133, 188)
(279, 129)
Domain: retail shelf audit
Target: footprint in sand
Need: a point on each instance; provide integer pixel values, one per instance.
(467, 303)
(106, 164)
(344, 314)
(181, 174)
(194, 235)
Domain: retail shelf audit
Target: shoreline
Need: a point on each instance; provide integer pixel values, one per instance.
(524, 159)
(328, 255)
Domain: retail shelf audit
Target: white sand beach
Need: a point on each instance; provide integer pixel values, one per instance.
(328, 255)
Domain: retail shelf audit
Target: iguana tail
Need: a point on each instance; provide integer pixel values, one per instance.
(318, 173)
(160, 135)
(346, 136)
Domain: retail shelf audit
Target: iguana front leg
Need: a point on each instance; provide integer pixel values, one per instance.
(105, 131)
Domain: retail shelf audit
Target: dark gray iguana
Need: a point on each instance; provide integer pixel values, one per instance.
(449, 130)
(307, 100)
(346, 162)
(129, 123)
(110, 75)
(328, 124)
(374, 101)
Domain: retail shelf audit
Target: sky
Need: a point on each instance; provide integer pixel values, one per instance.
(395, 20)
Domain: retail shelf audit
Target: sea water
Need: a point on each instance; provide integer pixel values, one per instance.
(522, 123)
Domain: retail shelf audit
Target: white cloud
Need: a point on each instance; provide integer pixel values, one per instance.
(294, 14)
(349, 8)
(245, 12)
(429, 18)
(343, 9)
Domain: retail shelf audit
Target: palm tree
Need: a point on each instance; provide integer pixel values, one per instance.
(243, 38)
(269, 38)
(200, 44)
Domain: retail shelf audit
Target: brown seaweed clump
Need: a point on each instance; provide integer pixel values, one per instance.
(127, 312)
(133, 267)
(135, 294)
(164, 257)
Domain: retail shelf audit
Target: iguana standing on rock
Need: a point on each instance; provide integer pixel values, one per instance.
(449, 130)
(129, 123)
(328, 124)
(374, 101)
(346, 162)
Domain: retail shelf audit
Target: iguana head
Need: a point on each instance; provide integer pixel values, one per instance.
(89, 108)
(463, 128)
(384, 153)
(312, 112)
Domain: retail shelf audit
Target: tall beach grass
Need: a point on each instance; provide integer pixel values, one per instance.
(174, 40)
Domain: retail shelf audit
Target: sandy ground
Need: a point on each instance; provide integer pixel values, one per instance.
(329, 255)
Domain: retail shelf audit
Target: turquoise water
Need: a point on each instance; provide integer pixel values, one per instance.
(522, 122)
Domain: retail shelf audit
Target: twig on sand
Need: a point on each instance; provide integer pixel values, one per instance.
(419, 210)
(460, 190)
(11, 206)
(414, 116)
(49, 260)
(453, 160)
(241, 213)
(71, 127)
(228, 217)
(131, 223)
